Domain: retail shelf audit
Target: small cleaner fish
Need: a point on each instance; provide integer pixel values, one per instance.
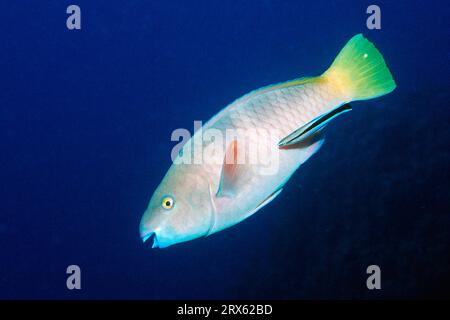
(197, 199)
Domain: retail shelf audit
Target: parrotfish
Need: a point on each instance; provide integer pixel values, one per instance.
(286, 120)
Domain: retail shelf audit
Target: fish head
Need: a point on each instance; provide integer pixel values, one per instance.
(180, 208)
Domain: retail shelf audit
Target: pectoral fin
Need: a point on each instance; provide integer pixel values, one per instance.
(312, 127)
(233, 173)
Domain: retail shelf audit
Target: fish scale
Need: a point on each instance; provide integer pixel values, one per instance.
(282, 109)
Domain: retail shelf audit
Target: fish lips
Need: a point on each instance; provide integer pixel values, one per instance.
(152, 238)
(156, 239)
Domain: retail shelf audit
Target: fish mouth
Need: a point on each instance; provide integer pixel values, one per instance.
(152, 237)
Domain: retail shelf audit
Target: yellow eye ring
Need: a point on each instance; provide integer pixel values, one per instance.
(167, 203)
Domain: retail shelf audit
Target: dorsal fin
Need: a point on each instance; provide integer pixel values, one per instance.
(272, 87)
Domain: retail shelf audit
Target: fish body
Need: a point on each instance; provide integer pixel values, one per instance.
(283, 124)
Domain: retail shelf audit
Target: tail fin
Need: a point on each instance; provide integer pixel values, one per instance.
(359, 71)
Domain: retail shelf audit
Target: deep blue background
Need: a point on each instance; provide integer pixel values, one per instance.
(85, 124)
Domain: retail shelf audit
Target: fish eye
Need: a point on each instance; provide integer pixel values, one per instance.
(167, 203)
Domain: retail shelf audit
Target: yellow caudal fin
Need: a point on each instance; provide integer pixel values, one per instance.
(359, 71)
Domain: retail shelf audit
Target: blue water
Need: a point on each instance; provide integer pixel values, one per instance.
(85, 123)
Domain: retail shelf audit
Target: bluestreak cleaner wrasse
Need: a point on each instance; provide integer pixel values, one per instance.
(266, 135)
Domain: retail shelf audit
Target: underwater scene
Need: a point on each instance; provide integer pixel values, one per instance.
(102, 196)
